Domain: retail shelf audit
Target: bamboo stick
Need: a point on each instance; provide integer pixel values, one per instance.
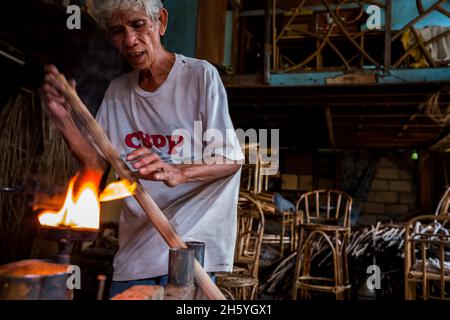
(154, 213)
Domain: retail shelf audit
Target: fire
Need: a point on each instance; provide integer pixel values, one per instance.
(81, 209)
(118, 190)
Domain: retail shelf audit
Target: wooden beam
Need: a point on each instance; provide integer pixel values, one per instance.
(420, 6)
(443, 11)
(442, 145)
(377, 3)
(388, 37)
(425, 182)
(318, 79)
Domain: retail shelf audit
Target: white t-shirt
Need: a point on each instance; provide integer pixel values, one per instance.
(132, 117)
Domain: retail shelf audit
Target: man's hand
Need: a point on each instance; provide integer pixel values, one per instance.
(151, 167)
(54, 90)
(54, 96)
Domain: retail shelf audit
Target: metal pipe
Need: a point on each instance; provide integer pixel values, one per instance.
(181, 267)
(199, 251)
(63, 251)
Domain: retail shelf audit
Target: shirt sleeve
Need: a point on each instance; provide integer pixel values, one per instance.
(220, 136)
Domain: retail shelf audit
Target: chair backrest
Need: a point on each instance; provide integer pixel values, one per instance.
(444, 204)
(330, 207)
(250, 233)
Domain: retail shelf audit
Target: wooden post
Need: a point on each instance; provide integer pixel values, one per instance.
(211, 30)
(267, 41)
(274, 35)
(154, 213)
(235, 37)
(388, 37)
(425, 174)
(330, 127)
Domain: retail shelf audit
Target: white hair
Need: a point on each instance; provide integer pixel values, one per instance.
(104, 9)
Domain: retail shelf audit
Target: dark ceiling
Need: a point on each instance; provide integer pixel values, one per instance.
(380, 116)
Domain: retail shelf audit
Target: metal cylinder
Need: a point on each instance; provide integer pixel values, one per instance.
(199, 249)
(181, 267)
(34, 280)
(63, 251)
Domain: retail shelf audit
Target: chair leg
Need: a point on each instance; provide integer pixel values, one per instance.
(292, 235)
(338, 278)
(345, 270)
(298, 263)
(254, 290)
(410, 290)
(303, 294)
(306, 268)
(294, 290)
(336, 268)
(282, 236)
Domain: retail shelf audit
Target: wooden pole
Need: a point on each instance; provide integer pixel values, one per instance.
(329, 117)
(153, 212)
(388, 38)
(267, 42)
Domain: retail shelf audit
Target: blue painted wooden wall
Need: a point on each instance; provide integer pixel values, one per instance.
(181, 32)
(403, 11)
(406, 10)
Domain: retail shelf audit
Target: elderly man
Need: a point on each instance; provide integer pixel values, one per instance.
(140, 112)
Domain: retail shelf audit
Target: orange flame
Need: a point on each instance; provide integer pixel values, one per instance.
(81, 212)
(118, 190)
(81, 209)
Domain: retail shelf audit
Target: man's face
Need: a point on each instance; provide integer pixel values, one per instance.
(136, 36)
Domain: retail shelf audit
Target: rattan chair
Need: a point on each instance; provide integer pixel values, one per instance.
(243, 282)
(444, 204)
(323, 216)
(427, 258)
(285, 219)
